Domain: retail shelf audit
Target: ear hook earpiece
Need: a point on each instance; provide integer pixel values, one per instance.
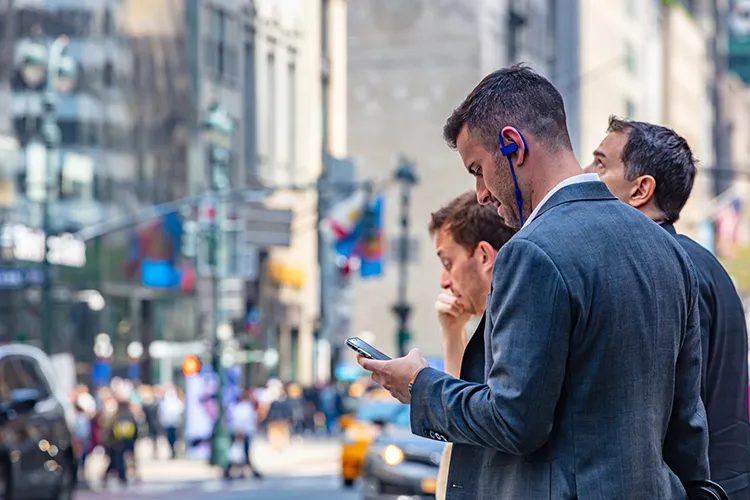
(507, 150)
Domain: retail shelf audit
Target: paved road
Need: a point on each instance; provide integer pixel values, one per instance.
(270, 488)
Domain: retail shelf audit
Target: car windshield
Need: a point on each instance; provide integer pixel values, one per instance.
(378, 410)
(402, 417)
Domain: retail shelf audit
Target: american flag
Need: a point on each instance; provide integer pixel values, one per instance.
(727, 228)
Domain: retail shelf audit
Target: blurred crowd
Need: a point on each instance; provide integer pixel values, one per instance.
(111, 419)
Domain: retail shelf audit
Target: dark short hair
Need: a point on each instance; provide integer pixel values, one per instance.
(470, 223)
(515, 96)
(663, 154)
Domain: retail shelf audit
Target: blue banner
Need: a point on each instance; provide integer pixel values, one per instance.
(160, 274)
(370, 249)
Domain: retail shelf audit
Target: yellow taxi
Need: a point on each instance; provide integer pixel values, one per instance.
(375, 408)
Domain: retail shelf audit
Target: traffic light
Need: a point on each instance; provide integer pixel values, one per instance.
(191, 365)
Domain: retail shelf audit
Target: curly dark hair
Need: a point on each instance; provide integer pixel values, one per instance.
(470, 223)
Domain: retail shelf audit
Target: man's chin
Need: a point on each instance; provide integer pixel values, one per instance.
(509, 220)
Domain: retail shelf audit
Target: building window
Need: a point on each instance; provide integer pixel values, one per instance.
(218, 33)
(270, 124)
(108, 27)
(109, 74)
(629, 109)
(292, 118)
(630, 60)
(251, 129)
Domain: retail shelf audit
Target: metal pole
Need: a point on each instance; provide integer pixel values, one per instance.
(220, 438)
(51, 134)
(406, 176)
(720, 144)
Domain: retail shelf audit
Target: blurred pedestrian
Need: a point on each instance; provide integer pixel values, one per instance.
(331, 405)
(278, 421)
(85, 408)
(244, 427)
(150, 407)
(652, 169)
(171, 410)
(120, 435)
(468, 237)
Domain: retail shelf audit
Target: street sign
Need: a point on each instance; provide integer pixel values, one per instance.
(16, 277)
(28, 245)
(233, 297)
(268, 227)
(412, 249)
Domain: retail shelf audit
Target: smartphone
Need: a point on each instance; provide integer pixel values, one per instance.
(366, 349)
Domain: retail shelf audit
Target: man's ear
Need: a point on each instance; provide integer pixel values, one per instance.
(486, 255)
(511, 135)
(642, 191)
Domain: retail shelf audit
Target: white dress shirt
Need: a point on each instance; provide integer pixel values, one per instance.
(576, 179)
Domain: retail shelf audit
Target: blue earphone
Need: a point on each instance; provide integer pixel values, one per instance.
(507, 150)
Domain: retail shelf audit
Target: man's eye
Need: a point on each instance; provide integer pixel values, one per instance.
(476, 171)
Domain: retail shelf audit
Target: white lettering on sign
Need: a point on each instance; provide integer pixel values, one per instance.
(29, 245)
(66, 250)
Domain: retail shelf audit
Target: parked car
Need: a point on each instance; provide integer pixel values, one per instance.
(399, 464)
(37, 457)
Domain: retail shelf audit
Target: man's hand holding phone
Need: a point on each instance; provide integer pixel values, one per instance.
(394, 375)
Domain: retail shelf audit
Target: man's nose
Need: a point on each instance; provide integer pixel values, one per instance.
(483, 194)
(589, 169)
(445, 280)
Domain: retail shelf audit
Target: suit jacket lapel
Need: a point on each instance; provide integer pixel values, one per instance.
(472, 363)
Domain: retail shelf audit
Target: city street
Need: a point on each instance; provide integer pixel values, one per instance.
(306, 469)
(269, 488)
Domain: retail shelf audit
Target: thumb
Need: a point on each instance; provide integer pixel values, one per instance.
(371, 365)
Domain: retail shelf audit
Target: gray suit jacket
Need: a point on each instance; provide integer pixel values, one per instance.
(592, 364)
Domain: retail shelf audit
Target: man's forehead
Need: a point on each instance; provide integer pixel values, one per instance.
(615, 140)
(443, 238)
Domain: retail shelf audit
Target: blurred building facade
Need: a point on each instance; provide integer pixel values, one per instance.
(659, 69)
(132, 137)
(410, 64)
(93, 173)
(301, 58)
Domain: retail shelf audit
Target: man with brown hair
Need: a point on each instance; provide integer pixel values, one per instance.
(467, 238)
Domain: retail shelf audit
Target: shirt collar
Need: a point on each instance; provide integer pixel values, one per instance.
(576, 179)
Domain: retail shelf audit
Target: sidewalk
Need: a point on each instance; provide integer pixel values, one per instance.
(308, 457)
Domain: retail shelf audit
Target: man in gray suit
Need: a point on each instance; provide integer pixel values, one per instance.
(592, 336)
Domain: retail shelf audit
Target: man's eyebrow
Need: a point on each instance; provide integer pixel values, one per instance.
(600, 153)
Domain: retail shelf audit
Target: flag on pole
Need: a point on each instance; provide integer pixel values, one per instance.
(727, 228)
(370, 248)
(343, 223)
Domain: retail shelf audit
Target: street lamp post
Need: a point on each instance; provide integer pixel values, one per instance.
(60, 71)
(219, 129)
(407, 177)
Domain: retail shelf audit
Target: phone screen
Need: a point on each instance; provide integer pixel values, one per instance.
(365, 349)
